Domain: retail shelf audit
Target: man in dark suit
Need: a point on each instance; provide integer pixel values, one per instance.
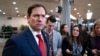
(27, 43)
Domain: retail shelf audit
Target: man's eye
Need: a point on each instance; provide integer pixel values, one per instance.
(38, 15)
(43, 15)
(35, 15)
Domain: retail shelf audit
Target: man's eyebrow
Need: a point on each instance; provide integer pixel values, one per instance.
(39, 14)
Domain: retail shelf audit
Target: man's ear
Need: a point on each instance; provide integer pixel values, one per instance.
(28, 18)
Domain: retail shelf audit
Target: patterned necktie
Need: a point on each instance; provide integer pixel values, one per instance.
(41, 45)
(51, 44)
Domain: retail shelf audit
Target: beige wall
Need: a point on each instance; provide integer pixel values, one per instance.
(15, 21)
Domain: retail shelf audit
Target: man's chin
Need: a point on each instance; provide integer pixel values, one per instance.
(39, 28)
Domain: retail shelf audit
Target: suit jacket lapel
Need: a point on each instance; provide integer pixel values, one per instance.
(32, 42)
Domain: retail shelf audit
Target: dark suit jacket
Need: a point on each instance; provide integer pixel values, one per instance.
(24, 44)
(66, 45)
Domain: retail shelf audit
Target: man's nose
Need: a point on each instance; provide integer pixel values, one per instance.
(40, 18)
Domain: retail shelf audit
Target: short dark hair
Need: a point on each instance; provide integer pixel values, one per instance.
(59, 9)
(51, 19)
(29, 11)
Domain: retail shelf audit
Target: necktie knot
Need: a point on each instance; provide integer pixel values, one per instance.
(39, 36)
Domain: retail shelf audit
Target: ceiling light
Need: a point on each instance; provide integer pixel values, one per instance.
(13, 2)
(89, 15)
(17, 11)
(72, 17)
(78, 13)
(47, 16)
(51, 10)
(0, 10)
(89, 4)
(3, 13)
(16, 8)
(75, 9)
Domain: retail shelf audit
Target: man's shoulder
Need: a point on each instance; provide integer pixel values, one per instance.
(19, 35)
(56, 32)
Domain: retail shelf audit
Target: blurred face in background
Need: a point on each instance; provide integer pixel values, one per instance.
(50, 26)
(97, 29)
(65, 29)
(75, 32)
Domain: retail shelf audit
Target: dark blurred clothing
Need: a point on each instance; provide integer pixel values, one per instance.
(65, 35)
(97, 42)
(93, 43)
(66, 45)
(74, 48)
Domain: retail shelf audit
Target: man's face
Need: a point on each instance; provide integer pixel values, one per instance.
(50, 26)
(37, 18)
(97, 30)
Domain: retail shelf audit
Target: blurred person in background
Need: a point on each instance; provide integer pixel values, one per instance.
(73, 45)
(64, 31)
(55, 38)
(93, 45)
(84, 36)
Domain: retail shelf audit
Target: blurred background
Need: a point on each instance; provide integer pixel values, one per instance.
(13, 14)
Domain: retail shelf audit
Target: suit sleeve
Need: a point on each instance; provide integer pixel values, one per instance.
(11, 49)
(59, 43)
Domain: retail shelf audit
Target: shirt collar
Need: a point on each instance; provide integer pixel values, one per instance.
(34, 32)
